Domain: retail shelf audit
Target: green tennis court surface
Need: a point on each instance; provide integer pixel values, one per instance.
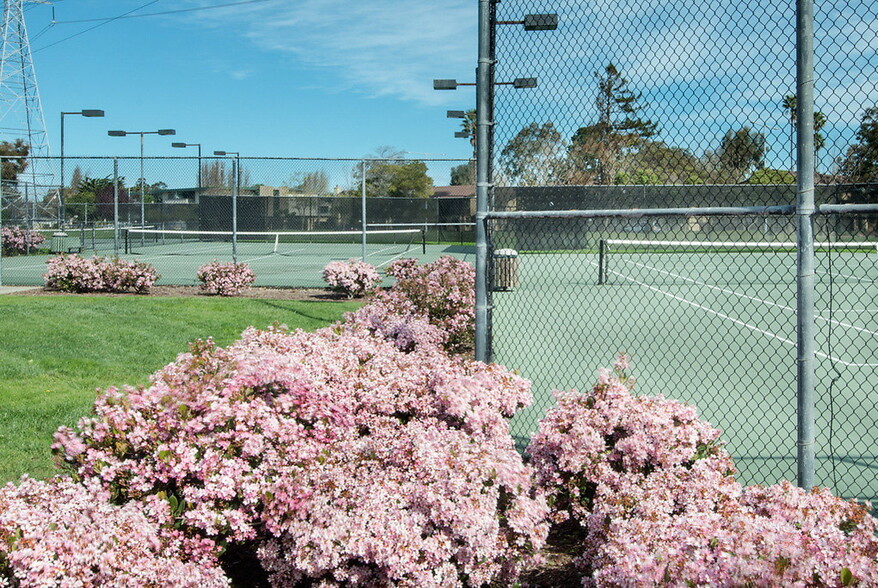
(291, 265)
(714, 330)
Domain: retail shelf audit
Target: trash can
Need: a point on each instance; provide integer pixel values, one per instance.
(505, 269)
(59, 242)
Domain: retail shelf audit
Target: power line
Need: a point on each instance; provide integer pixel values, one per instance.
(100, 24)
(163, 12)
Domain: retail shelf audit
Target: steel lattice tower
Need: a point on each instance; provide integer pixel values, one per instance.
(21, 112)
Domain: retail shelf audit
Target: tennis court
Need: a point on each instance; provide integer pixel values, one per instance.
(279, 259)
(715, 328)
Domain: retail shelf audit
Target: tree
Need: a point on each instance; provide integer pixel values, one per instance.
(464, 174)
(860, 164)
(311, 183)
(399, 180)
(595, 149)
(656, 163)
(740, 153)
(535, 156)
(94, 197)
(389, 174)
(13, 167)
(767, 175)
(790, 104)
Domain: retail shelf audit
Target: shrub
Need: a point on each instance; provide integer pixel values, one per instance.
(653, 493)
(441, 293)
(18, 241)
(72, 273)
(333, 456)
(59, 533)
(772, 536)
(352, 277)
(225, 279)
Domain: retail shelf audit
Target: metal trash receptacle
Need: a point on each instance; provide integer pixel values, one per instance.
(59, 242)
(505, 269)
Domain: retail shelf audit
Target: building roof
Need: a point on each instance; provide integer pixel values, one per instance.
(466, 191)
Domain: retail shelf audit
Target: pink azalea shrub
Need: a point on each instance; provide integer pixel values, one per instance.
(352, 278)
(18, 241)
(336, 457)
(225, 279)
(771, 536)
(60, 533)
(653, 494)
(72, 273)
(441, 293)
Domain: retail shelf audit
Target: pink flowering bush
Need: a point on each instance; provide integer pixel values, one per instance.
(335, 457)
(18, 241)
(778, 535)
(652, 493)
(225, 279)
(352, 278)
(60, 533)
(72, 273)
(441, 293)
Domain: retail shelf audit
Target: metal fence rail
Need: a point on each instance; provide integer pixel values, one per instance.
(705, 302)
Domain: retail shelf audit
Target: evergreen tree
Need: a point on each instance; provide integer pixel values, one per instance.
(595, 149)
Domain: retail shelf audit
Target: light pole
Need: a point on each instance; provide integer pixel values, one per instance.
(142, 179)
(86, 113)
(484, 145)
(236, 172)
(182, 145)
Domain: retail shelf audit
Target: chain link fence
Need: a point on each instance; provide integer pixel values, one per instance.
(670, 128)
(287, 218)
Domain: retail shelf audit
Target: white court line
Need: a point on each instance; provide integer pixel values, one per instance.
(739, 322)
(748, 297)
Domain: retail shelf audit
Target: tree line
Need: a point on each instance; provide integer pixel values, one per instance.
(621, 146)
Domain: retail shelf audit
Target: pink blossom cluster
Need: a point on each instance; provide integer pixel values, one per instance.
(225, 279)
(60, 533)
(337, 457)
(654, 494)
(18, 241)
(441, 294)
(72, 273)
(352, 278)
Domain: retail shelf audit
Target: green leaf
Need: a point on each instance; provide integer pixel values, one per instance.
(847, 577)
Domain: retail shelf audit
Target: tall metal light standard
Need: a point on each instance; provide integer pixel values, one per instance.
(86, 113)
(236, 171)
(182, 145)
(484, 138)
(142, 178)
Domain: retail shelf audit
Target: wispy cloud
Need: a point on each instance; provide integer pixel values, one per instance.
(380, 48)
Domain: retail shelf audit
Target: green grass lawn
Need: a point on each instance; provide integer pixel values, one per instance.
(56, 350)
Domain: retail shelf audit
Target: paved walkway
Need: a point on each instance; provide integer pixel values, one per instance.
(14, 289)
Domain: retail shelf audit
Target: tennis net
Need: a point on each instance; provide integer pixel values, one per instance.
(177, 242)
(622, 261)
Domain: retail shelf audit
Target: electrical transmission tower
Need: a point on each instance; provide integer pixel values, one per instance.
(21, 112)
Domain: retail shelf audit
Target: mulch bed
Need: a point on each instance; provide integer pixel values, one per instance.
(312, 294)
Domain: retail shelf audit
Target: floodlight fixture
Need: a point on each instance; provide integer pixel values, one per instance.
(462, 134)
(540, 22)
(219, 152)
(445, 84)
(179, 145)
(92, 113)
(456, 114)
(117, 133)
(166, 132)
(524, 83)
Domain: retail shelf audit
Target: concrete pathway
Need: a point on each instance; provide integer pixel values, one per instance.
(15, 289)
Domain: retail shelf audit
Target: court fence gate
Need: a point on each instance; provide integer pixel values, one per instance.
(704, 300)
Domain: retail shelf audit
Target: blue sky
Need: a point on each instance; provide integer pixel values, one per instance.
(310, 78)
(338, 78)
